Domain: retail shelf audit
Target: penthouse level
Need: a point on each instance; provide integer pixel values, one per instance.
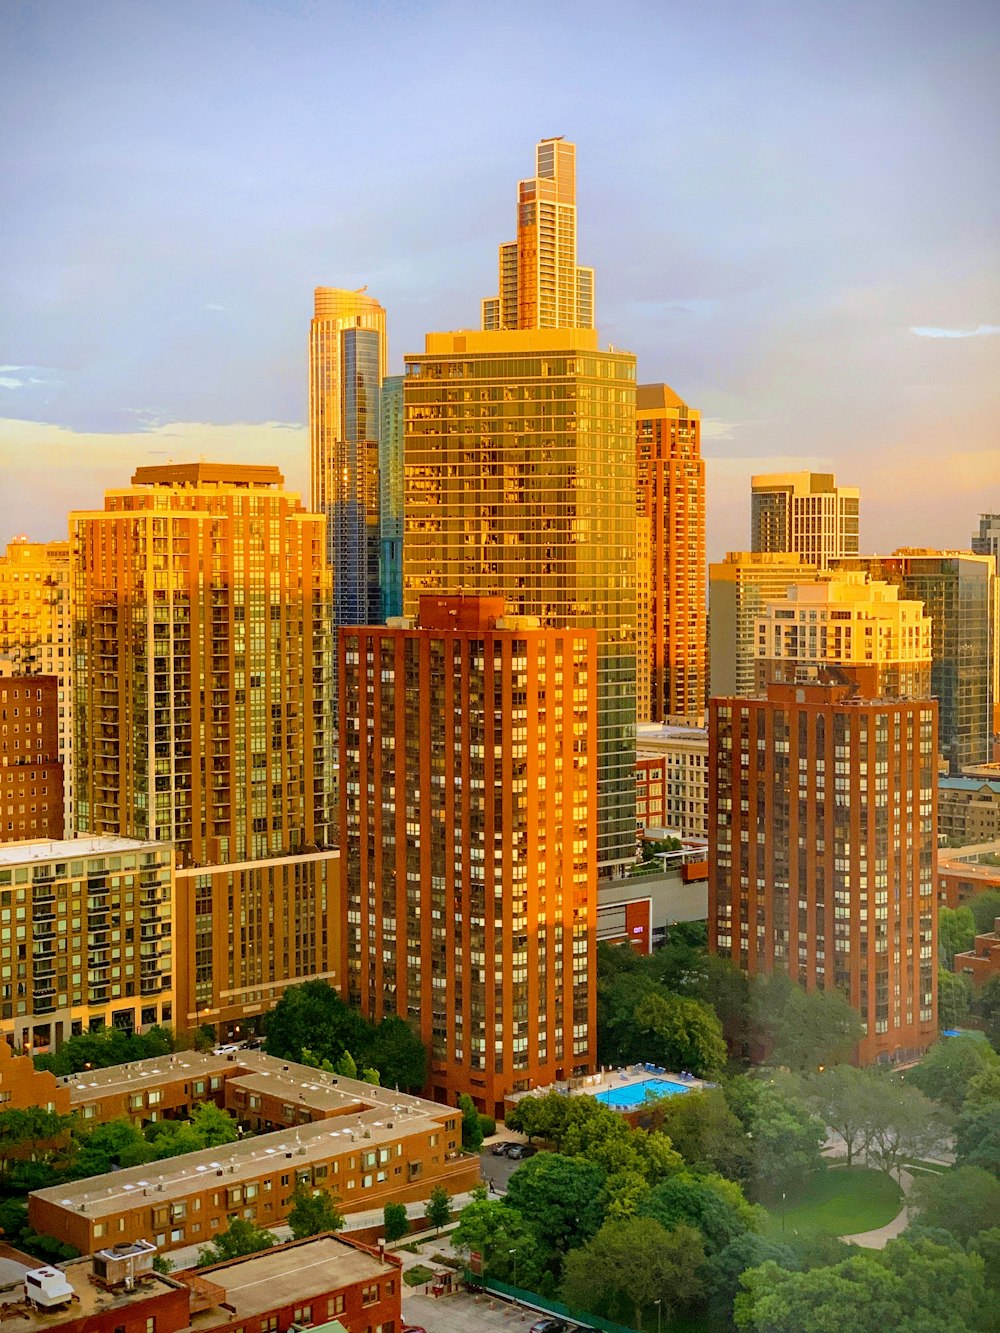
(393, 1150)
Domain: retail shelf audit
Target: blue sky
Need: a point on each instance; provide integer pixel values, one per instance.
(791, 206)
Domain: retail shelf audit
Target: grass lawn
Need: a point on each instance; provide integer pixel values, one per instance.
(840, 1201)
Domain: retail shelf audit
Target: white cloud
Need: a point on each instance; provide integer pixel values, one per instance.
(214, 307)
(7, 383)
(929, 331)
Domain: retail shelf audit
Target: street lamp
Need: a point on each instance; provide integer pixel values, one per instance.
(514, 1260)
(657, 1304)
(782, 1212)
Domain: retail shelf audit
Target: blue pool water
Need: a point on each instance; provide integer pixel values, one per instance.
(634, 1094)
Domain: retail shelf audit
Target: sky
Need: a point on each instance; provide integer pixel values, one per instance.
(791, 206)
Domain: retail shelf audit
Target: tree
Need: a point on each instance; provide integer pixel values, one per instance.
(986, 1007)
(983, 1088)
(964, 1201)
(313, 1211)
(985, 908)
(703, 1130)
(438, 1210)
(630, 1264)
(786, 1138)
(977, 1136)
(987, 1245)
(807, 1029)
(398, 1054)
(716, 1207)
(346, 1066)
(724, 1269)
(956, 933)
(29, 1133)
(508, 1245)
(908, 1287)
(558, 1197)
(954, 998)
(680, 1034)
(395, 1223)
(241, 1237)
(106, 1147)
(107, 1047)
(213, 1126)
(839, 1097)
(314, 1016)
(472, 1130)
(948, 1067)
(901, 1123)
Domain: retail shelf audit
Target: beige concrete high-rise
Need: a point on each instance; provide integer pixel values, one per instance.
(541, 285)
(348, 360)
(847, 620)
(738, 589)
(35, 636)
(204, 718)
(805, 512)
(670, 494)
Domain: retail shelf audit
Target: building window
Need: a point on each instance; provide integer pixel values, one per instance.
(369, 1294)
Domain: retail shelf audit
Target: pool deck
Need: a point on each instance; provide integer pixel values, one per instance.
(591, 1084)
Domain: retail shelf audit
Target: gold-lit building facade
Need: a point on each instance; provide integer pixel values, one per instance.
(520, 483)
(205, 716)
(670, 493)
(348, 359)
(86, 938)
(847, 620)
(805, 512)
(739, 588)
(540, 285)
(35, 633)
(468, 820)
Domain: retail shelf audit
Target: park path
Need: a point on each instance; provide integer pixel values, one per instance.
(878, 1239)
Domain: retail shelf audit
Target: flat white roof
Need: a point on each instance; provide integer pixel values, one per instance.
(37, 849)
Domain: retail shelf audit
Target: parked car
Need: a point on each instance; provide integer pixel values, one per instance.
(549, 1326)
(503, 1148)
(518, 1151)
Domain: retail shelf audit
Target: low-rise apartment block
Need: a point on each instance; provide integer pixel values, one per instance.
(365, 1144)
(672, 778)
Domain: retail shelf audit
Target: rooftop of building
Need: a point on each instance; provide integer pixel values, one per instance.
(497, 342)
(970, 784)
(92, 1302)
(764, 558)
(243, 475)
(967, 858)
(801, 483)
(42, 849)
(653, 398)
(648, 732)
(285, 1275)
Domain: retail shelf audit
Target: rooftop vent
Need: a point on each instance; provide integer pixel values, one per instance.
(47, 1288)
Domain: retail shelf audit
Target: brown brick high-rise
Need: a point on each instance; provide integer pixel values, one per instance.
(670, 493)
(31, 774)
(822, 851)
(468, 768)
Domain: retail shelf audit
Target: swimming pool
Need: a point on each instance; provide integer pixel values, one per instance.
(634, 1094)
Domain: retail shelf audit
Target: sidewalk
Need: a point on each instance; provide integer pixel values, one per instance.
(877, 1239)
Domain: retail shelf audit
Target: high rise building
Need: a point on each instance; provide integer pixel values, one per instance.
(540, 283)
(95, 948)
(31, 773)
(347, 364)
(670, 490)
(468, 767)
(958, 591)
(35, 636)
(204, 702)
(822, 851)
(805, 512)
(847, 620)
(739, 588)
(520, 483)
(987, 540)
(390, 487)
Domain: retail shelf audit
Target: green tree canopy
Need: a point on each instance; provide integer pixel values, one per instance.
(312, 1212)
(964, 1201)
(107, 1047)
(985, 1004)
(900, 1123)
(806, 1029)
(908, 1287)
(559, 1197)
(241, 1237)
(713, 1205)
(985, 908)
(103, 1148)
(724, 1269)
(30, 1134)
(497, 1232)
(948, 1067)
(631, 1264)
(395, 1223)
(956, 933)
(977, 1136)
(679, 1034)
(954, 998)
(438, 1207)
(786, 1138)
(704, 1130)
(472, 1129)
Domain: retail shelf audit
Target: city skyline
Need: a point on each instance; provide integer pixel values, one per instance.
(787, 259)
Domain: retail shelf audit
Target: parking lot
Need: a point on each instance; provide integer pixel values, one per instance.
(497, 1170)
